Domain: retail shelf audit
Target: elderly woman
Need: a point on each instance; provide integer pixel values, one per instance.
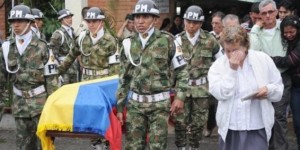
(245, 82)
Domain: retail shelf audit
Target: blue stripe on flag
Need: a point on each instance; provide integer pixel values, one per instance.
(93, 105)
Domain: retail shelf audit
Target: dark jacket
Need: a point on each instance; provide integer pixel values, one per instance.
(292, 60)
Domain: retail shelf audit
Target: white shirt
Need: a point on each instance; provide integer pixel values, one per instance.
(245, 115)
(223, 85)
(26, 40)
(69, 30)
(100, 34)
(144, 40)
(194, 39)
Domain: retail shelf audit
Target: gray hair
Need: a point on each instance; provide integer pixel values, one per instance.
(265, 3)
(230, 19)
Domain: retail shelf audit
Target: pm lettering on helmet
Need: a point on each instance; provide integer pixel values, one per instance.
(141, 8)
(16, 13)
(193, 15)
(91, 15)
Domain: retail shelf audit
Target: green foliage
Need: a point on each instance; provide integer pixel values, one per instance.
(50, 20)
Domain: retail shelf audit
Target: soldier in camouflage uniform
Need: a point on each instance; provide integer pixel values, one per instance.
(99, 55)
(96, 46)
(37, 25)
(147, 60)
(62, 42)
(198, 47)
(33, 72)
(3, 83)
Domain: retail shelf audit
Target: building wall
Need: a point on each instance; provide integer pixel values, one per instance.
(120, 8)
(2, 21)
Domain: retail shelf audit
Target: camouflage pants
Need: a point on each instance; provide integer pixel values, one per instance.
(192, 121)
(147, 118)
(26, 137)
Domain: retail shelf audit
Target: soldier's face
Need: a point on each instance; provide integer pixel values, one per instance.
(192, 26)
(130, 25)
(94, 25)
(67, 21)
(19, 26)
(39, 23)
(143, 22)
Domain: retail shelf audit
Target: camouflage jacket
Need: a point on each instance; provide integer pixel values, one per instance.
(29, 76)
(154, 74)
(199, 58)
(93, 56)
(61, 45)
(3, 84)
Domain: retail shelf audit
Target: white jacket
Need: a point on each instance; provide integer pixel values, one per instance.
(222, 80)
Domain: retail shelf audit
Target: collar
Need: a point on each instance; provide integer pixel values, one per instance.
(34, 29)
(66, 27)
(25, 37)
(196, 35)
(149, 33)
(100, 34)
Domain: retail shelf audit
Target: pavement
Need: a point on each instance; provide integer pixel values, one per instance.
(7, 138)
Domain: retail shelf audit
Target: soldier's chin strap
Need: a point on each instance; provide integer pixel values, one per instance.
(37, 30)
(149, 28)
(95, 33)
(69, 25)
(24, 30)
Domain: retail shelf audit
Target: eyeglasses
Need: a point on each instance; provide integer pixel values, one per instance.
(270, 12)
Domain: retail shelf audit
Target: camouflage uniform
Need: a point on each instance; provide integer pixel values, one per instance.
(30, 75)
(151, 77)
(93, 57)
(61, 50)
(196, 106)
(3, 83)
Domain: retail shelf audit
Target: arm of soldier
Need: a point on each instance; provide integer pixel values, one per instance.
(216, 47)
(2, 83)
(181, 80)
(121, 30)
(51, 81)
(68, 61)
(114, 48)
(55, 42)
(124, 84)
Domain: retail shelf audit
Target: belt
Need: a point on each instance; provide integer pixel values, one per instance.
(150, 98)
(62, 58)
(196, 82)
(92, 72)
(29, 93)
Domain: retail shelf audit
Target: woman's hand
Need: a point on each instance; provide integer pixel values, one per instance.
(262, 93)
(236, 59)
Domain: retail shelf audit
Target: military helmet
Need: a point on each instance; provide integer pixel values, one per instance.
(94, 13)
(194, 13)
(20, 12)
(37, 14)
(64, 13)
(146, 7)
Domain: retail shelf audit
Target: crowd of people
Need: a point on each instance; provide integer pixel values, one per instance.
(239, 77)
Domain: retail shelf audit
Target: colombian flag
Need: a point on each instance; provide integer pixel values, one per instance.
(82, 107)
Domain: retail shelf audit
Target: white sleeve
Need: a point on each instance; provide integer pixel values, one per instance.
(222, 80)
(255, 43)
